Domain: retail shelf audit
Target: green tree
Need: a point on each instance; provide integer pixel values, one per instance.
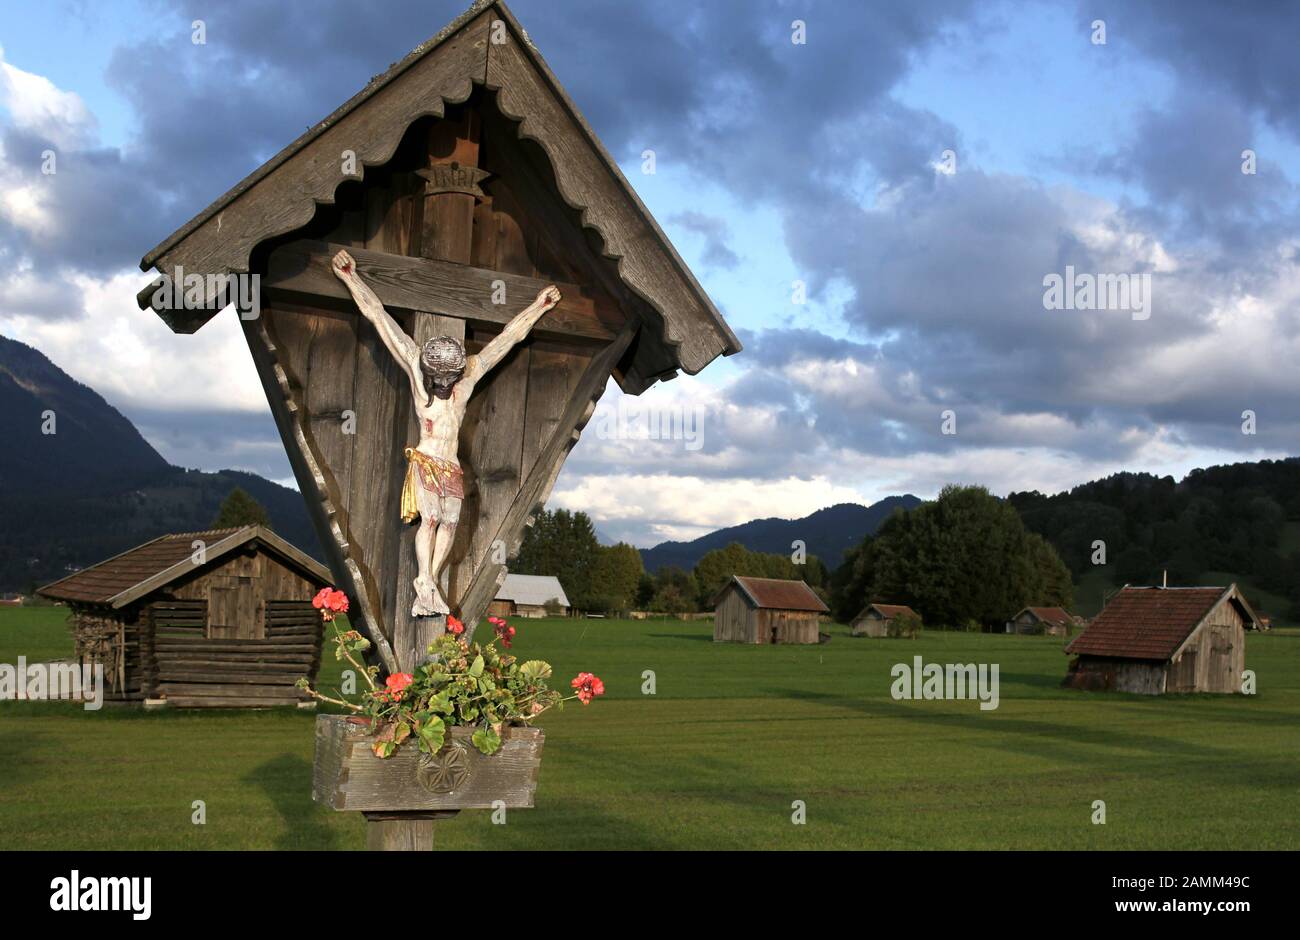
(615, 576)
(675, 591)
(563, 544)
(964, 557)
(239, 509)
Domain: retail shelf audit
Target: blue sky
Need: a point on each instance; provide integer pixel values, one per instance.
(776, 163)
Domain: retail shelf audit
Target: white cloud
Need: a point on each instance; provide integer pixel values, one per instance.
(37, 105)
(130, 356)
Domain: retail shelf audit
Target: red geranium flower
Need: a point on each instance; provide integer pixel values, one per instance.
(588, 687)
(330, 602)
(395, 686)
(454, 625)
(503, 631)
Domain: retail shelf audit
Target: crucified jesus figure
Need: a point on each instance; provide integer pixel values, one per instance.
(442, 379)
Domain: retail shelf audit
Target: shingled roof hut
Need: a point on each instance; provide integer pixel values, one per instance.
(1154, 640)
(216, 618)
(1050, 621)
(766, 610)
(875, 620)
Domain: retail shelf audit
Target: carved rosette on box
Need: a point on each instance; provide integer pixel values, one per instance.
(348, 776)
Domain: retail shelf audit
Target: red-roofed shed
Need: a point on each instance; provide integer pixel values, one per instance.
(766, 610)
(1052, 621)
(1154, 640)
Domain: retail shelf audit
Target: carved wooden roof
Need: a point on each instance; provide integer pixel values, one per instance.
(283, 194)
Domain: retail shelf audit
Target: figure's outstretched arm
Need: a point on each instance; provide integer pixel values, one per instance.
(515, 332)
(404, 349)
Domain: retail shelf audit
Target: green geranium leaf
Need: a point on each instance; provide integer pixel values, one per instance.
(476, 668)
(535, 670)
(432, 734)
(486, 740)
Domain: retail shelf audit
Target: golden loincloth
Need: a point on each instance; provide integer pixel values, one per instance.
(444, 477)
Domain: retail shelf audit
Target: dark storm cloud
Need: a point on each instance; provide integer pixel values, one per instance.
(1188, 158)
(98, 209)
(1245, 50)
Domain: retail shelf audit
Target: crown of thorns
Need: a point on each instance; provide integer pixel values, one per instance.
(443, 355)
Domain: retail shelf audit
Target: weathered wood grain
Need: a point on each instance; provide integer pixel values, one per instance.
(300, 271)
(348, 776)
(312, 484)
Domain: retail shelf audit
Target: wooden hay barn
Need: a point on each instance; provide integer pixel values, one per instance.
(218, 618)
(526, 595)
(876, 619)
(766, 610)
(1154, 640)
(1051, 621)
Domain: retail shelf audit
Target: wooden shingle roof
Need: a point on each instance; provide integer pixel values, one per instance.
(117, 581)
(775, 594)
(1153, 623)
(283, 194)
(889, 611)
(1050, 614)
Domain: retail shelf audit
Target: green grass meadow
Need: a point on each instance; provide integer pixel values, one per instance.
(714, 760)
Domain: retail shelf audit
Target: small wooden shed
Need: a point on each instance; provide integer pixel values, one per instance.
(766, 610)
(877, 619)
(1154, 640)
(1051, 621)
(526, 595)
(217, 618)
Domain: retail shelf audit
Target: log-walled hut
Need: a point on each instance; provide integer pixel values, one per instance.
(1154, 640)
(876, 620)
(1049, 621)
(218, 618)
(766, 610)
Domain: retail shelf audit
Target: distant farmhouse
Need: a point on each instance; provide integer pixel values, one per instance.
(218, 618)
(1154, 640)
(526, 595)
(766, 610)
(1052, 621)
(876, 620)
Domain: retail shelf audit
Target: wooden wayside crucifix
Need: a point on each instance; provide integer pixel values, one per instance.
(466, 192)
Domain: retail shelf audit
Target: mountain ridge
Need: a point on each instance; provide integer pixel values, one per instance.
(826, 533)
(72, 457)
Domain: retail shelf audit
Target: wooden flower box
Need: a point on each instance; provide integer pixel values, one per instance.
(348, 776)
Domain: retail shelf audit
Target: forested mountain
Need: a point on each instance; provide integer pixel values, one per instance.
(78, 483)
(827, 533)
(1238, 521)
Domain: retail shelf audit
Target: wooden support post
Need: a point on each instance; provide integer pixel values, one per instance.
(445, 231)
(402, 832)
